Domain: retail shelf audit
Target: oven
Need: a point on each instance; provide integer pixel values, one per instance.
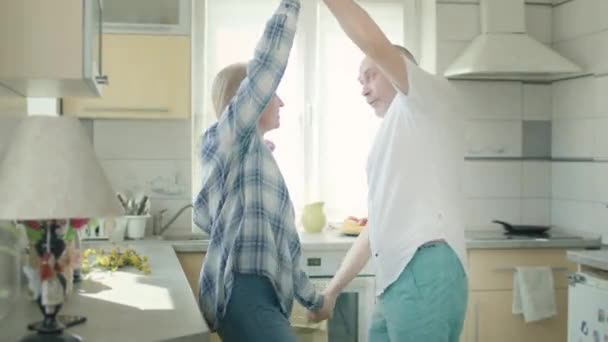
(354, 306)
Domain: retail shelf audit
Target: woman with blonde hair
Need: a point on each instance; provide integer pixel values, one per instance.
(251, 272)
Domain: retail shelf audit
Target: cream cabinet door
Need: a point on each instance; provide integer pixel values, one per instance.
(191, 265)
(490, 320)
(494, 269)
(149, 79)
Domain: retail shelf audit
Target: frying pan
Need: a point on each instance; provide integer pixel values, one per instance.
(522, 228)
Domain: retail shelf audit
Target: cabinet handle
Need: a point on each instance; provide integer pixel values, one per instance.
(513, 269)
(126, 109)
(101, 79)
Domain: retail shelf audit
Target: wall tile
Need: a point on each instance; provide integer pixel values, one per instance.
(589, 52)
(537, 101)
(491, 100)
(536, 179)
(600, 144)
(601, 96)
(493, 138)
(578, 18)
(600, 182)
(479, 213)
(140, 139)
(573, 181)
(600, 224)
(539, 23)
(573, 215)
(447, 52)
(572, 138)
(457, 21)
(155, 178)
(574, 98)
(493, 179)
(536, 211)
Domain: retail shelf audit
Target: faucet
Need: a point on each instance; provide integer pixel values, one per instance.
(157, 220)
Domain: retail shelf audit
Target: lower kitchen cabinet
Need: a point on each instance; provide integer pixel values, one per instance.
(489, 313)
(191, 263)
(491, 320)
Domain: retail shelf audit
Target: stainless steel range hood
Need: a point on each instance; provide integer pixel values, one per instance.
(505, 52)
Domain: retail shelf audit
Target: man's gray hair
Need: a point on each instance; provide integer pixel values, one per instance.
(406, 53)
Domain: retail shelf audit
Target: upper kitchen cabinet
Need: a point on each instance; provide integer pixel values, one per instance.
(147, 16)
(51, 48)
(150, 79)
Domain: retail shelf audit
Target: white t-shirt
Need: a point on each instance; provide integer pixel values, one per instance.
(414, 175)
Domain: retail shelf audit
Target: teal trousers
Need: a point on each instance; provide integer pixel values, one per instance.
(427, 302)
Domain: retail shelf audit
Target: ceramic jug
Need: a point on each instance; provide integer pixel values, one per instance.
(313, 217)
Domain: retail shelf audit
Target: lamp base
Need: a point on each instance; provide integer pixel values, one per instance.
(52, 329)
(62, 322)
(61, 337)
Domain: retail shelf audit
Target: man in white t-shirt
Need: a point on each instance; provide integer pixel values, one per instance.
(415, 234)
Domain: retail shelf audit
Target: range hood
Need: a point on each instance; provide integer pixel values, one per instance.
(505, 52)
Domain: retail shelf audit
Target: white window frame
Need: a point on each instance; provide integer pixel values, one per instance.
(203, 118)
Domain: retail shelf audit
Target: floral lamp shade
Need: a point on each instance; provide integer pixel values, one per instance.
(50, 171)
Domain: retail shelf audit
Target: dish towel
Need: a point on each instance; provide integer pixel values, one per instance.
(534, 293)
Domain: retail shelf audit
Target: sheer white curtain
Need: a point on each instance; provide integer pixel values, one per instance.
(326, 126)
(346, 124)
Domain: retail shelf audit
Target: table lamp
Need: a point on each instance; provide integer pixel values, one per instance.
(50, 173)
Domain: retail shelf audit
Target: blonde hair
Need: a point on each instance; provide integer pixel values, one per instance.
(406, 53)
(225, 86)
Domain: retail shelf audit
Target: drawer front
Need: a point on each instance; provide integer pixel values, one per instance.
(494, 269)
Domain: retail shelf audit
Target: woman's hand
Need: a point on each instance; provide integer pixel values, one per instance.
(326, 311)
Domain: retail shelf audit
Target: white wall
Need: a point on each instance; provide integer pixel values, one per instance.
(512, 188)
(580, 118)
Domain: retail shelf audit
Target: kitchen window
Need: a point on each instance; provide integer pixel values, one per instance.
(326, 126)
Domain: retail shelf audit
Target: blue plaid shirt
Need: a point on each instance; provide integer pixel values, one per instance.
(244, 204)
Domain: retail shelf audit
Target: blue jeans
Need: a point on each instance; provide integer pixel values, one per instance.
(427, 302)
(253, 313)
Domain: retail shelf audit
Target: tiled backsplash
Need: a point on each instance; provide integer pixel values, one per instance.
(580, 118)
(567, 120)
(151, 157)
(500, 116)
(511, 190)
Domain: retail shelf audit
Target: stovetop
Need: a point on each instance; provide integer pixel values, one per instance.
(501, 235)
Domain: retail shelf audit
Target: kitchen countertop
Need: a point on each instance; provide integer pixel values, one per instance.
(125, 302)
(126, 305)
(491, 238)
(595, 259)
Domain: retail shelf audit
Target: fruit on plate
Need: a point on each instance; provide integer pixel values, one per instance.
(353, 225)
